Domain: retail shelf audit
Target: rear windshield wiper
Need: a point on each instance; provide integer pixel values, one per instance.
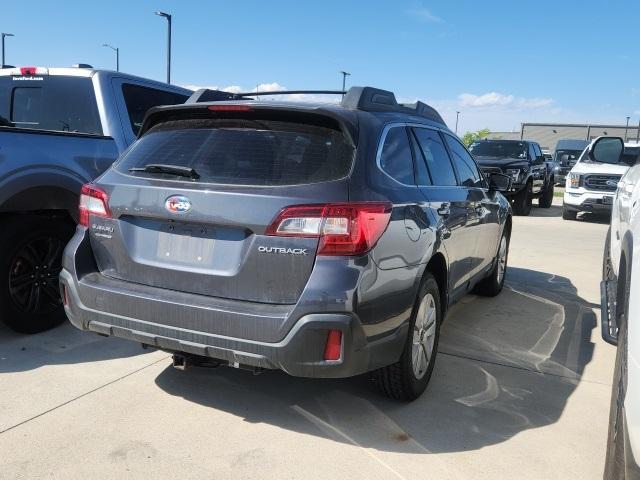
(170, 169)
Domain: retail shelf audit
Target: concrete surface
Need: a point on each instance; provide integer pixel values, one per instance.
(521, 390)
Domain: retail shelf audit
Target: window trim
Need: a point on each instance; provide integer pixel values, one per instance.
(483, 180)
(446, 148)
(383, 138)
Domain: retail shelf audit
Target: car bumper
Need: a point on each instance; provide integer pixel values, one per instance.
(587, 201)
(180, 322)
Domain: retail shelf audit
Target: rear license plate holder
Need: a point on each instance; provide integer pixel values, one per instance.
(185, 244)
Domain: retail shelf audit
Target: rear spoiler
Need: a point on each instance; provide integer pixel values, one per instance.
(368, 99)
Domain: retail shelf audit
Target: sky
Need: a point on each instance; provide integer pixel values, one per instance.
(498, 63)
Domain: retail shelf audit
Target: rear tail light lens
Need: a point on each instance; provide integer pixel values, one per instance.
(333, 347)
(93, 201)
(343, 229)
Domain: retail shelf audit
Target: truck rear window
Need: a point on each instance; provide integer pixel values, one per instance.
(244, 152)
(58, 103)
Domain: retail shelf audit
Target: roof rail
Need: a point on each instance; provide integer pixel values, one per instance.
(367, 99)
(376, 100)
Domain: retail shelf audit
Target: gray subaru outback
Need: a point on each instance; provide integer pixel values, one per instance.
(325, 240)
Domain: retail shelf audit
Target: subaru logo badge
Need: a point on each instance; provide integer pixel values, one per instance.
(177, 204)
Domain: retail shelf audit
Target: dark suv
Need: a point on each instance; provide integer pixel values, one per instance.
(533, 176)
(323, 240)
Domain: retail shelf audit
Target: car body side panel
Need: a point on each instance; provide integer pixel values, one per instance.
(65, 160)
(625, 231)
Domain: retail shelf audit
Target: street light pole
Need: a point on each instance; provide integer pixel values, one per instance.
(4, 35)
(117, 50)
(168, 17)
(625, 129)
(457, 115)
(344, 80)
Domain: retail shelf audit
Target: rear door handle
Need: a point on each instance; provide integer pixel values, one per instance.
(445, 209)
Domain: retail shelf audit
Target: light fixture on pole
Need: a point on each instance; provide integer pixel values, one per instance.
(168, 17)
(3, 36)
(626, 128)
(117, 50)
(457, 116)
(344, 80)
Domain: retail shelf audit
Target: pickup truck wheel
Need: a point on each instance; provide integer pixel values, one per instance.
(546, 198)
(408, 378)
(569, 214)
(30, 261)
(492, 285)
(523, 200)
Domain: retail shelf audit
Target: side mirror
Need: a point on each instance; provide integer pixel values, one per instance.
(607, 150)
(499, 182)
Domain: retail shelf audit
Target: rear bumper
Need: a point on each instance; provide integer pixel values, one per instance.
(300, 353)
(232, 332)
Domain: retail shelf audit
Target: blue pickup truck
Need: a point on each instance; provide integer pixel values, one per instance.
(59, 128)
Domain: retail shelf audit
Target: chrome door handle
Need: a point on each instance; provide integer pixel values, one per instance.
(444, 210)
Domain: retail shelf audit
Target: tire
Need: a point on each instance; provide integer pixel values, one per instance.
(546, 198)
(30, 261)
(569, 214)
(614, 467)
(406, 380)
(492, 285)
(522, 201)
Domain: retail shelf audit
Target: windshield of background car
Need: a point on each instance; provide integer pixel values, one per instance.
(244, 152)
(566, 156)
(499, 149)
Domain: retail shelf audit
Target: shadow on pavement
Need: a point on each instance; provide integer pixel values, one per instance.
(64, 344)
(552, 211)
(506, 364)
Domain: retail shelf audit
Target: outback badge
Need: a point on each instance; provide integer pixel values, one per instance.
(177, 204)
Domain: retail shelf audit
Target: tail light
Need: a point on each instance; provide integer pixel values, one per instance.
(343, 228)
(93, 201)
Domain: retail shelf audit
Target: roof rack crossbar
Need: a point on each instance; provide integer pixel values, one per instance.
(356, 98)
(209, 95)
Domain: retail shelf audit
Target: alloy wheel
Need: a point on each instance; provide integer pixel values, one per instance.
(424, 334)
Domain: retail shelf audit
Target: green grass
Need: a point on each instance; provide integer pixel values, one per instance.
(558, 194)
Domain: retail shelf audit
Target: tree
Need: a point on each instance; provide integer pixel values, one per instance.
(470, 137)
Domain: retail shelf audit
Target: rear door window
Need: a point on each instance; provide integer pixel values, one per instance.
(465, 165)
(395, 158)
(244, 152)
(139, 99)
(434, 155)
(50, 102)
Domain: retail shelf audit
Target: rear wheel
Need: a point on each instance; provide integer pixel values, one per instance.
(492, 285)
(568, 214)
(523, 200)
(408, 378)
(546, 197)
(30, 261)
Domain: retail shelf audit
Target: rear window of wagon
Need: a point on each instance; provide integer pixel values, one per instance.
(244, 151)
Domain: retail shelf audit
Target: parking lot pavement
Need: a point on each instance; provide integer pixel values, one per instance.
(521, 389)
